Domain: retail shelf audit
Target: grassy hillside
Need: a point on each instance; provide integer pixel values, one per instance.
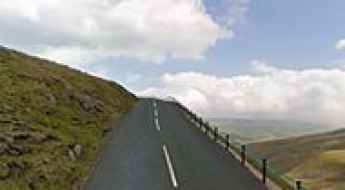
(52, 122)
(255, 130)
(319, 160)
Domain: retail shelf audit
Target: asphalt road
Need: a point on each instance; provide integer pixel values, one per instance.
(157, 148)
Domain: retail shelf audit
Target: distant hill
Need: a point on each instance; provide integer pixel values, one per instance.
(255, 130)
(319, 160)
(52, 122)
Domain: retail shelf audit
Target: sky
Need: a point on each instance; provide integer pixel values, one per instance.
(222, 58)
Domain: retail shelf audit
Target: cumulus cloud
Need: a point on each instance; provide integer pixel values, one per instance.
(148, 30)
(340, 44)
(314, 94)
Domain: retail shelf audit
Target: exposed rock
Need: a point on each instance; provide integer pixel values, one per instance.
(21, 136)
(5, 171)
(26, 76)
(71, 155)
(106, 131)
(18, 150)
(17, 127)
(42, 138)
(46, 160)
(88, 103)
(14, 152)
(51, 138)
(6, 108)
(51, 99)
(60, 81)
(17, 168)
(4, 118)
(78, 149)
(28, 110)
(6, 139)
(16, 122)
(3, 148)
(75, 151)
(36, 181)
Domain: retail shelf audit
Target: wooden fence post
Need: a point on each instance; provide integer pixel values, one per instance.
(299, 185)
(200, 122)
(215, 133)
(264, 169)
(227, 141)
(243, 155)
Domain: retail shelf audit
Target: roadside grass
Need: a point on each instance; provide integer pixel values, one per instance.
(324, 171)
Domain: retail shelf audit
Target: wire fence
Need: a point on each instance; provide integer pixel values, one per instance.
(260, 164)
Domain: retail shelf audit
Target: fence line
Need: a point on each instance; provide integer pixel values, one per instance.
(262, 165)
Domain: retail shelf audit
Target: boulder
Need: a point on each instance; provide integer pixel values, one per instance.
(71, 155)
(75, 152)
(78, 149)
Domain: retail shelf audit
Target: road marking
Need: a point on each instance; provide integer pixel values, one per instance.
(170, 167)
(155, 113)
(158, 127)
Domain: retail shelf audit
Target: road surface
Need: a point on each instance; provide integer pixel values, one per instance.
(157, 148)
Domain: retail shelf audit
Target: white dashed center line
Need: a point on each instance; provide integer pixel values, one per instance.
(155, 116)
(158, 127)
(170, 167)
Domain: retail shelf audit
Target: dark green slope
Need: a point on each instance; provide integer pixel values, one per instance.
(52, 121)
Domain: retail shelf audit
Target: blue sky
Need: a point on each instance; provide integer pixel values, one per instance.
(287, 34)
(245, 58)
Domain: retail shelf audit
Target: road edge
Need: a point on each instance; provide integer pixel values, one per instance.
(110, 125)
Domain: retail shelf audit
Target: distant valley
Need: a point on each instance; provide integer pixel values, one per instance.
(257, 130)
(310, 152)
(318, 160)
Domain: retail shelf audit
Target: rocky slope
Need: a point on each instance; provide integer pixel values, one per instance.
(52, 122)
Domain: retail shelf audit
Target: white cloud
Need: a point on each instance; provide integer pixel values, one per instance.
(340, 44)
(76, 57)
(314, 94)
(149, 30)
(260, 66)
(228, 12)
